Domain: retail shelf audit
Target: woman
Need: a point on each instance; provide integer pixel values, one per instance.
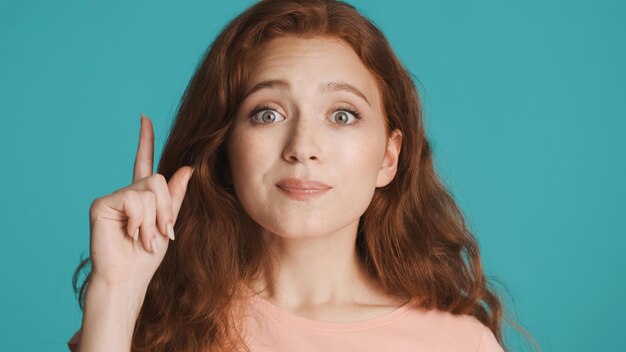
(298, 184)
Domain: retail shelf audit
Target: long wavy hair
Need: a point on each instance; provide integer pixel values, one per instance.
(412, 240)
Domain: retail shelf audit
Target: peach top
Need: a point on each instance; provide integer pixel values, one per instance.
(407, 328)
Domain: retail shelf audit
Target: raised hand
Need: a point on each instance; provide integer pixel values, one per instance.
(130, 227)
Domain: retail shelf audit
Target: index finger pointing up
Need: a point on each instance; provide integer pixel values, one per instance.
(145, 151)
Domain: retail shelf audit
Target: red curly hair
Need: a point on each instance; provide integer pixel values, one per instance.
(412, 240)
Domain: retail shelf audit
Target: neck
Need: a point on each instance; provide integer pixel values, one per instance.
(316, 271)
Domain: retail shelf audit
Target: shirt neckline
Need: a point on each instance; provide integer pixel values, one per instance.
(334, 326)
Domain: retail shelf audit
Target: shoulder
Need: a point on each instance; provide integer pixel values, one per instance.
(456, 332)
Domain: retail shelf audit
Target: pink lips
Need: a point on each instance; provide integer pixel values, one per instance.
(302, 189)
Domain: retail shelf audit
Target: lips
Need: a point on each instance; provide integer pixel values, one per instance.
(302, 190)
(302, 185)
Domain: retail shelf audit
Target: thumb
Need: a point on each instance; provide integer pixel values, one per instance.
(178, 188)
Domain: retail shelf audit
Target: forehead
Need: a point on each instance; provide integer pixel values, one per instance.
(306, 63)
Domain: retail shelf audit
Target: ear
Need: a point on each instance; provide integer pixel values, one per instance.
(390, 162)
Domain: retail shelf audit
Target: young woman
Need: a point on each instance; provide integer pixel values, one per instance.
(298, 184)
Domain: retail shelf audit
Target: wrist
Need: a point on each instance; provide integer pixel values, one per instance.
(124, 297)
(110, 315)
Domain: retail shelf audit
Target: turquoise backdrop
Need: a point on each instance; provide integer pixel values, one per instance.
(524, 103)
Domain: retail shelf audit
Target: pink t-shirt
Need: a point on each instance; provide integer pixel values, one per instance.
(408, 328)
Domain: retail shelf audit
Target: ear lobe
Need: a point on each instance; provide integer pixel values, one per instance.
(390, 162)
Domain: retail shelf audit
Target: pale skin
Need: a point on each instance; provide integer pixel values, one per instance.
(309, 134)
(123, 262)
(317, 273)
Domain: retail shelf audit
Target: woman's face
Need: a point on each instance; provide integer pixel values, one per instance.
(296, 125)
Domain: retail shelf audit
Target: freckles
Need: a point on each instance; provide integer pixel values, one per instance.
(253, 155)
(364, 152)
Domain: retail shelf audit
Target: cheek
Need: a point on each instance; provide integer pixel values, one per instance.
(245, 158)
(250, 161)
(361, 160)
(357, 171)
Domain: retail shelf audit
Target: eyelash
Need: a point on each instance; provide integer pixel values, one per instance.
(357, 115)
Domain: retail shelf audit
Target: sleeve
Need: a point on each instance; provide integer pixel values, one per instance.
(72, 344)
(488, 342)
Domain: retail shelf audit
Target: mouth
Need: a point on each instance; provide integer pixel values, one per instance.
(299, 189)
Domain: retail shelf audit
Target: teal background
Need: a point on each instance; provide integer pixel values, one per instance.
(524, 105)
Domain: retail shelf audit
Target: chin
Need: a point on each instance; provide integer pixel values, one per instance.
(297, 231)
(307, 228)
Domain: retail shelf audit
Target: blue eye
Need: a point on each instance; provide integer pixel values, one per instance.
(343, 115)
(269, 114)
(266, 114)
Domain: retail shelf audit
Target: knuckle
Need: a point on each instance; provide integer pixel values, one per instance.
(95, 205)
(148, 198)
(160, 177)
(122, 190)
(156, 180)
(130, 195)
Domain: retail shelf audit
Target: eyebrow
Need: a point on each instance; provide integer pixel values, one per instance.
(323, 87)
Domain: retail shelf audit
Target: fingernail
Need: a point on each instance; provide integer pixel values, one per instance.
(136, 234)
(170, 231)
(153, 244)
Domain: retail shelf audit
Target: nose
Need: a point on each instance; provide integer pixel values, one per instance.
(303, 141)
